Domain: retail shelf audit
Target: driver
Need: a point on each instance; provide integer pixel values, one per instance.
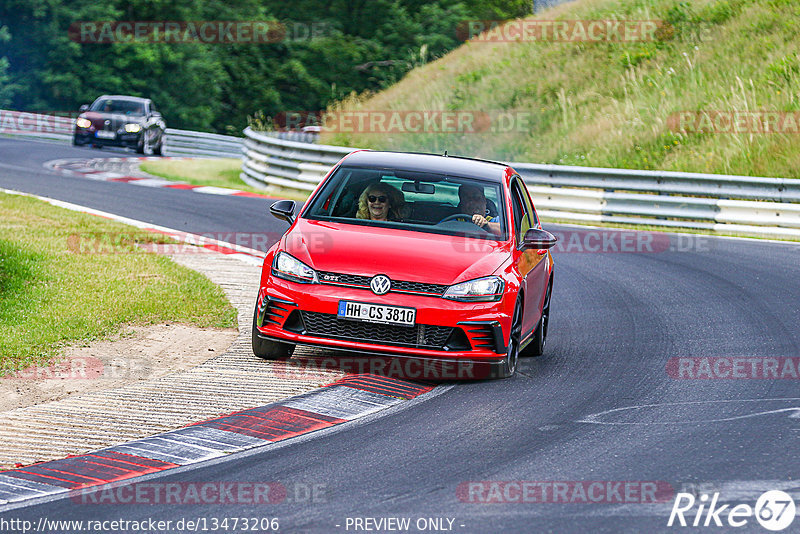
(472, 201)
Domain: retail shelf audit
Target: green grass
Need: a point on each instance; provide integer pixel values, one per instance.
(68, 278)
(608, 104)
(217, 172)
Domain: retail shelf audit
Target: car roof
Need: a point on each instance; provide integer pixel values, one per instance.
(124, 97)
(433, 163)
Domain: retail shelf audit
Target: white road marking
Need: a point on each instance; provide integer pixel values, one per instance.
(794, 412)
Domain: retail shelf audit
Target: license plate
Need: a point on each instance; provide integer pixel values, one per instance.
(105, 134)
(376, 313)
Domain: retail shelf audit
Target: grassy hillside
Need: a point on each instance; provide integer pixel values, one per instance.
(608, 104)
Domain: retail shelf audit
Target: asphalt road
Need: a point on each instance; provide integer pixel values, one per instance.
(617, 320)
(21, 170)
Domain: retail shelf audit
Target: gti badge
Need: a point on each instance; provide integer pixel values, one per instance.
(380, 284)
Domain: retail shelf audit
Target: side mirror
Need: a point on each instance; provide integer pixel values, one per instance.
(539, 239)
(284, 210)
(155, 114)
(84, 107)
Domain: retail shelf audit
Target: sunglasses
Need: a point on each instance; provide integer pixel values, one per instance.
(373, 198)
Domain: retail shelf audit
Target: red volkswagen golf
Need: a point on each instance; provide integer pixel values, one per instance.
(436, 260)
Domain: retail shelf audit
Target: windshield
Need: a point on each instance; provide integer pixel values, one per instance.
(411, 200)
(108, 105)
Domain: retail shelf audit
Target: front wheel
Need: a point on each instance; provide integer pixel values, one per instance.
(512, 354)
(145, 147)
(269, 350)
(159, 148)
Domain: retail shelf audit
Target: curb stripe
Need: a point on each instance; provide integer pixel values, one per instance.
(336, 403)
(83, 168)
(342, 403)
(19, 489)
(214, 439)
(386, 387)
(41, 479)
(78, 478)
(277, 424)
(145, 463)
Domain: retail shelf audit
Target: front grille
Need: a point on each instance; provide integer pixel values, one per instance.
(339, 278)
(326, 277)
(418, 287)
(421, 336)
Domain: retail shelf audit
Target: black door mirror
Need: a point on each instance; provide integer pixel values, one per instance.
(539, 239)
(284, 210)
(84, 107)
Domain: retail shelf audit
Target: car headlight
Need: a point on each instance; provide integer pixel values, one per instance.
(290, 268)
(132, 128)
(486, 289)
(83, 123)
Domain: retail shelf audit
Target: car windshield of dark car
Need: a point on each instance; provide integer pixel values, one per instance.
(417, 201)
(126, 107)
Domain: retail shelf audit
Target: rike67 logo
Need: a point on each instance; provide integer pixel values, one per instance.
(774, 510)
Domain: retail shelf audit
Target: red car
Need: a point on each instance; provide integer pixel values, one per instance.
(436, 259)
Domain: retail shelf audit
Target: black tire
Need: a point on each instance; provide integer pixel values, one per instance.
(537, 344)
(158, 150)
(269, 350)
(512, 354)
(144, 147)
(75, 142)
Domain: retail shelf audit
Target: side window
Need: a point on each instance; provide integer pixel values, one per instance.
(526, 198)
(153, 108)
(519, 214)
(522, 222)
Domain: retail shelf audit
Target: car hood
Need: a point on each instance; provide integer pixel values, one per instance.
(399, 254)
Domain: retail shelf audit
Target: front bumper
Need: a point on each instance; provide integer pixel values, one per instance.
(449, 340)
(127, 140)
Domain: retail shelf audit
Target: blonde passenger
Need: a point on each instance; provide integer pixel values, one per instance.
(381, 202)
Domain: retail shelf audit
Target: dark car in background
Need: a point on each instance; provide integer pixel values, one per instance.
(124, 121)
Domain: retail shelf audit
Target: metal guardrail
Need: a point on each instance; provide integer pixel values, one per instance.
(271, 161)
(177, 142)
(741, 204)
(189, 143)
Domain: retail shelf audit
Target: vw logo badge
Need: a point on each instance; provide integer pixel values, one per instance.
(380, 284)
